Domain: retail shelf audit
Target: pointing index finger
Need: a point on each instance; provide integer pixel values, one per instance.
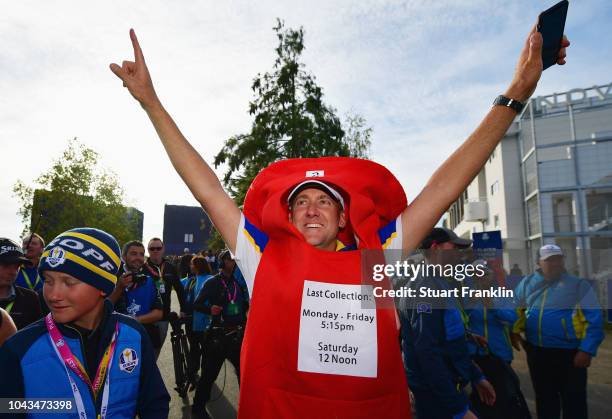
(138, 56)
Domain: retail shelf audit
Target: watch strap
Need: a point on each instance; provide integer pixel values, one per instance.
(502, 100)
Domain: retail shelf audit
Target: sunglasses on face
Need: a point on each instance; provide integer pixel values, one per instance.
(155, 249)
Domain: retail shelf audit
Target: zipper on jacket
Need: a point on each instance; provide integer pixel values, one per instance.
(564, 324)
(540, 317)
(84, 361)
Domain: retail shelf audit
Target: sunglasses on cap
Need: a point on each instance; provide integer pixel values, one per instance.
(155, 249)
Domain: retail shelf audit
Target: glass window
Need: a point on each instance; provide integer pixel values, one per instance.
(525, 136)
(572, 257)
(531, 176)
(562, 152)
(595, 162)
(599, 209)
(563, 212)
(495, 187)
(552, 129)
(533, 216)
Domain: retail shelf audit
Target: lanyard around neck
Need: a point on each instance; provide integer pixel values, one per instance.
(231, 298)
(70, 361)
(27, 279)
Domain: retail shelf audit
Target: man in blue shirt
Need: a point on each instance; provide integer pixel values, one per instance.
(436, 355)
(136, 294)
(28, 276)
(563, 327)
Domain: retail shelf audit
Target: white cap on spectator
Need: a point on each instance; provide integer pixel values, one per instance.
(549, 250)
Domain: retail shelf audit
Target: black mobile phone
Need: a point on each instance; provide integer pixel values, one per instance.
(551, 24)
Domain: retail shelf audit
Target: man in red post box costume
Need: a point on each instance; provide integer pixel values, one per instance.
(315, 345)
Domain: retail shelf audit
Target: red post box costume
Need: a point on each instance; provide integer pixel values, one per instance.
(313, 346)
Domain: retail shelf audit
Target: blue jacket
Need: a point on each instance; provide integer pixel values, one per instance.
(141, 300)
(29, 276)
(193, 286)
(563, 313)
(31, 369)
(495, 325)
(435, 349)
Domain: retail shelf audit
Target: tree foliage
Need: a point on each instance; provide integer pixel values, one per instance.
(75, 192)
(290, 120)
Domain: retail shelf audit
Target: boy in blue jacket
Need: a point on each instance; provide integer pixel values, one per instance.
(100, 362)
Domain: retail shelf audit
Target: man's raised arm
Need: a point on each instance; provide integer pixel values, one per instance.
(456, 173)
(191, 167)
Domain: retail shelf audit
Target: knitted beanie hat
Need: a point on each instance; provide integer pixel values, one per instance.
(88, 254)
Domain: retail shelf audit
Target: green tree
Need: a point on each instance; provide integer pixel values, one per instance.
(290, 120)
(75, 192)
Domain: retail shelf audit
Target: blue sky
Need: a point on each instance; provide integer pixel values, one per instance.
(422, 73)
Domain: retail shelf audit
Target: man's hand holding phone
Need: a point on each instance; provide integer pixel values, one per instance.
(530, 66)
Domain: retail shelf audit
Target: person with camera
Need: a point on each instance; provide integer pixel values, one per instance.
(136, 294)
(225, 300)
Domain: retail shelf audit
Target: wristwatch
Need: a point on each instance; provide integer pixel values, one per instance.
(502, 100)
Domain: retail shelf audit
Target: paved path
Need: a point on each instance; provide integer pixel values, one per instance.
(226, 403)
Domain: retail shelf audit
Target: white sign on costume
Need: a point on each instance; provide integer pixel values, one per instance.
(337, 334)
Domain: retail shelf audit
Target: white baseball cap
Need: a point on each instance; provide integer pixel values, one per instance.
(549, 250)
(317, 184)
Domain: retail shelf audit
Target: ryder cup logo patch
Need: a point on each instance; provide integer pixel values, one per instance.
(128, 360)
(315, 173)
(56, 257)
(423, 308)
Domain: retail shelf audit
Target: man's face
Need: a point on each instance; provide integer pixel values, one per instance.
(32, 248)
(447, 253)
(318, 217)
(8, 273)
(228, 265)
(552, 267)
(156, 250)
(134, 258)
(67, 297)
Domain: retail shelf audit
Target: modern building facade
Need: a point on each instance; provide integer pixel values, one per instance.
(185, 228)
(549, 181)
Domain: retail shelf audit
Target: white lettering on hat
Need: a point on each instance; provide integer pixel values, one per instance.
(73, 244)
(315, 173)
(6, 249)
(94, 253)
(108, 266)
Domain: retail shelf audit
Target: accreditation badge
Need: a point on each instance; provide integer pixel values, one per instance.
(232, 309)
